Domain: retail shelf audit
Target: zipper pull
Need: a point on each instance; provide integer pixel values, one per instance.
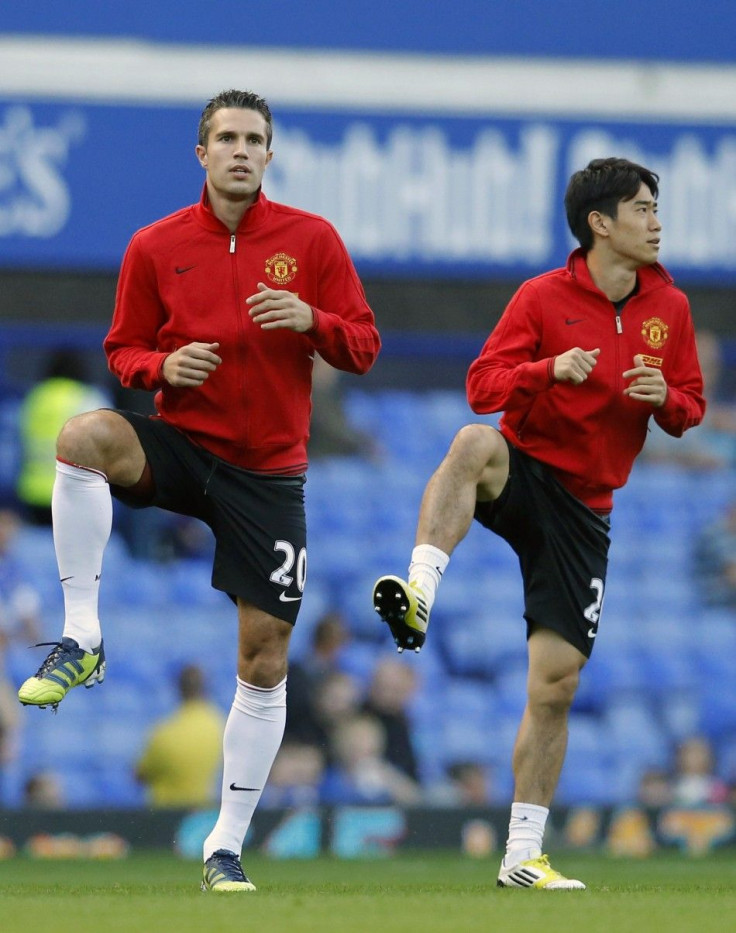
(619, 325)
(232, 242)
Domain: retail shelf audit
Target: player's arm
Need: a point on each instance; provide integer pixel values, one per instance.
(684, 403)
(511, 368)
(131, 344)
(338, 321)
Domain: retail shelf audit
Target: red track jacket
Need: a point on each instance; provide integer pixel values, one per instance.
(591, 433)
(185, 278)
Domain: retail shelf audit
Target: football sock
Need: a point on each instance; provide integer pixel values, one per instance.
(81, 510)
(253, 734)
(526, 832)
(427, 565)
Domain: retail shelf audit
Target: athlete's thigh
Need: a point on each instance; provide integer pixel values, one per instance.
(552, 657)
(179, 469)
(496, 471)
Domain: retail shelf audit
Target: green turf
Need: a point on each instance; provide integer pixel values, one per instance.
(157, 893)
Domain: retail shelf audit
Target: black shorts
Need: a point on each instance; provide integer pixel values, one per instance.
(562, 547)
(258, 520)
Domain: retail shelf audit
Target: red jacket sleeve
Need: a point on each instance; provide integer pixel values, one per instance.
(131, 344)
(507, 372)
(685, 406)
(344, 329)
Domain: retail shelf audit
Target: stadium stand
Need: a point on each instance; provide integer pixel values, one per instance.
(665, 668)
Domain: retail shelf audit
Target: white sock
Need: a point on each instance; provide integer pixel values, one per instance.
(427, 565)
(81, 509)
(253, 734)
(526, 832)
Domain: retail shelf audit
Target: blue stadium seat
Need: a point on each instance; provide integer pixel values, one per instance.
(663, 667)
(632, 729)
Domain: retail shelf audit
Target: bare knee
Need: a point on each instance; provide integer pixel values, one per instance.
(102, 440)
(552, 696)
(474, 446)
(479, 454)
(263, 647)
(262, 665)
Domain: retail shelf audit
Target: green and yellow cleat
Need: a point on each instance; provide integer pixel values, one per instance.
(66, 666)
(223, 873)
(536, 873)
(403, 608)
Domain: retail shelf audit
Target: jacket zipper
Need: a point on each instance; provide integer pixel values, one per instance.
(238, 318)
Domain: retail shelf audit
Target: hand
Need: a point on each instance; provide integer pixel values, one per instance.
(274, 308)
(575, 365)
(647, 383)
(191, 365)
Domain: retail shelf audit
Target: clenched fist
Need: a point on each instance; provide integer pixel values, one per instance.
(191, 365)
(575, 365)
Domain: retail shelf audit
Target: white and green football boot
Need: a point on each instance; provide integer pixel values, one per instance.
(66, 666)
(403, 608)
(536, 873)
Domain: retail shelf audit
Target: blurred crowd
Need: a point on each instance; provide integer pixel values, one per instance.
(348, 738)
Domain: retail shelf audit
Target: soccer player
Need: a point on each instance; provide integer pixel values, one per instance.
(581, 359)
(220, 309)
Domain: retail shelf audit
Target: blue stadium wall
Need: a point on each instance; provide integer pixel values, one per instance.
(437, 136)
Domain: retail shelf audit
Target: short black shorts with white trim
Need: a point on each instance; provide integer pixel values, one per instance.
(562, 547)
(258, 520)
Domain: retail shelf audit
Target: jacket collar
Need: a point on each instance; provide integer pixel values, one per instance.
(253, 217)
(649, 277)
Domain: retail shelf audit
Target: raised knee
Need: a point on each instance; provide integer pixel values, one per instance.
(476, 444)
(93, 439)
(79, 433)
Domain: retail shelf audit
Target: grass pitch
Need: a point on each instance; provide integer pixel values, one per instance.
(158, 893)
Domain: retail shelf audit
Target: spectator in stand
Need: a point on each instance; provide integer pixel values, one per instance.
(42, 791)
(713, 445)
(182, 757)
(361, 773)
(20, 621)
(695, 782)
(392, 687)
(303, 720)
(337, 699)
(65, 390)
(466, 784)
(655, 788)
(295, 777)
(715, 560)
(331, 433)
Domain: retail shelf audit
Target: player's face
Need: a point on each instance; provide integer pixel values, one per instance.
(635, 233)
(236, 154)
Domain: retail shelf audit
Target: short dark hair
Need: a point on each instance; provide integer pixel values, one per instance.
(601, 186)
(246, 100)
(191, 682)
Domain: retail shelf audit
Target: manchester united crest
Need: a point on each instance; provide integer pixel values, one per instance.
(281, 268)
(655, 332)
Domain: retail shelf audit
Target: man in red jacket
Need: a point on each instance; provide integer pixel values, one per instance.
(581, 359)
(220, 309)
